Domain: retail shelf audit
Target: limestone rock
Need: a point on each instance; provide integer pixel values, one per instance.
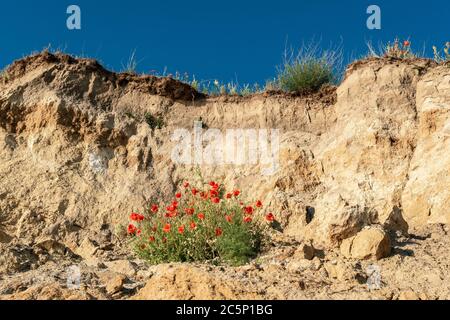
(408, 295)
(113, 281)
(370, 243)
(191, 283)
(124, 267)
(305, 251)
(87, 249)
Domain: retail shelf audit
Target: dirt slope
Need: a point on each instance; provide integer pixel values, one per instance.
(77, 155)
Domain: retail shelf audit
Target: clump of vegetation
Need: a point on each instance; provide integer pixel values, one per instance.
(201, 224)
(396, 49)
(309, 69)
(442, 57)
(131, 65)
(153, 121)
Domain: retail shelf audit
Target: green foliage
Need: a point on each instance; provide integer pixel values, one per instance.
(396, 49)
(154, 122)
(309, 70)
(201, 225)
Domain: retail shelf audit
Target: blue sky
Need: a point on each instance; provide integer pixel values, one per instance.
(226, 40)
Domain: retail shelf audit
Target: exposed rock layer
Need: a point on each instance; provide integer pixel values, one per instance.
(76, 154)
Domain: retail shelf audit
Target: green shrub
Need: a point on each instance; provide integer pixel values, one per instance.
(154, 122)
(205, 224)
(309, 70)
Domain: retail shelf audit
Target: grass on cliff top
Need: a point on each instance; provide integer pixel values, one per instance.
(309, 69)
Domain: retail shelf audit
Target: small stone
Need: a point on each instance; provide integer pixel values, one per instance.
(114, 281)
(87, 249)
(124, 267)
(408, 295)
(305, 251)
(51, 246)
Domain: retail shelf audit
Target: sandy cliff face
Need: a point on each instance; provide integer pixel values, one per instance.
(76, 154)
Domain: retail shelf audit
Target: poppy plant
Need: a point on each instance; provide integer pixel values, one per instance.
(270, 217)
(249, 210)
(197, 229)
(167, 228)
(136, 217)
(131, 229)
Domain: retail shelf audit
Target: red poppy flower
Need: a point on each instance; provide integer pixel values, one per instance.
(172, 214)
(167, 228)
(137, 217)
(194, 192)
(201, 216)
(214, 185)
(236, 193)
(189, 211)
(186, 185)
(270, 217)
(248, 219)
(248, 210)
(175, 204)
(213, 193)
(181, 230)
(178, 196)
(219, 232)
(259, 204)
(406, 43)
(131, 229)
(215, 200)
(138, 232)
(152, 239)
(154, 208)
(229, 219)
(229, 195)
(171, 208)
(193, 225)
